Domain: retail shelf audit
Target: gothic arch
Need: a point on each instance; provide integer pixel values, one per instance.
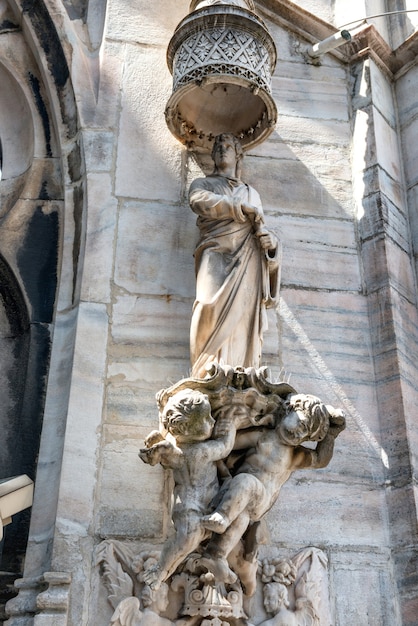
(42, 215)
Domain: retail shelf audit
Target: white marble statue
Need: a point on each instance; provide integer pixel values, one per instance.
(191, 450)
(272, 455)
(237, 263)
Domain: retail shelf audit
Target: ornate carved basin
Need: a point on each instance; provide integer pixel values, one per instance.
(222, 58)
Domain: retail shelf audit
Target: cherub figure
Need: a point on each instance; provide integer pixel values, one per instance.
(276, 602)
(128, 612)
(191, 449)
(273, 454)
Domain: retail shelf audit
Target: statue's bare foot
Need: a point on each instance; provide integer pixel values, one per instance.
(153, 577)
(219, 568)
(216, 522)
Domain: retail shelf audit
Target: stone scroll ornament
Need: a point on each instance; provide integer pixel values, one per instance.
(231, 440)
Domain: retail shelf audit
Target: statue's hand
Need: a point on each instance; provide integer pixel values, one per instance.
(267, 240)
(152, 455)
(153, 577)
(253, 213)
(336, 422)
(152, 438)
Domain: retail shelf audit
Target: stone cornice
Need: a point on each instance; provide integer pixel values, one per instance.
(300, 21)
(367, 42)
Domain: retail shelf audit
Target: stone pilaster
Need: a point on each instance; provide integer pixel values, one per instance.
(389, 283)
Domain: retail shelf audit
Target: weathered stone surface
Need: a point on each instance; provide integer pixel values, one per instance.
(157, 326)
(367, 575)
(378, 253)
(331, 364)
(308, 131)
(407, 103)
(147, 152)
(314, 99)
(78, 478)
(306, 315)
(330, 247)
(98, 149)
(381, 216)
(147, 374)
(383, 98)
(100, 238)
(409, 142)
(156, 25)
(357, 513)
(290, 186)
(119, 513)
(143, 269)
(387, 146)
(104, 113)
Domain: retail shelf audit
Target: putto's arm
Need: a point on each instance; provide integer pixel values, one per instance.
(247, 438)
(322, 455)
(223, 439)
(164, 453)
(314, 459)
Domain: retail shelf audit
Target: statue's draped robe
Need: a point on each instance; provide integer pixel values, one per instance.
(235, 277)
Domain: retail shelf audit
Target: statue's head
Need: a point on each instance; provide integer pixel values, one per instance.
(156, 600)
(275, 597)
(306, 419)
(227, 146)
(187, 416)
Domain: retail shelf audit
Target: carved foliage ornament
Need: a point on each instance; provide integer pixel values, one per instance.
(293, 590)
(222, 51)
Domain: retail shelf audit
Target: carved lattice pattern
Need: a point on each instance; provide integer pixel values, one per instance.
(222, 51)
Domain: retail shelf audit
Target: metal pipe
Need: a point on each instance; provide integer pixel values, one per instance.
(336, 40)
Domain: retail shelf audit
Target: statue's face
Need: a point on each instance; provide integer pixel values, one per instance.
(271, 600)
(224, 153)
(306, 419)
(155, 599)
(186, 421)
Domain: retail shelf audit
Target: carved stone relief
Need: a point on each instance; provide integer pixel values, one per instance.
(230, 437)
